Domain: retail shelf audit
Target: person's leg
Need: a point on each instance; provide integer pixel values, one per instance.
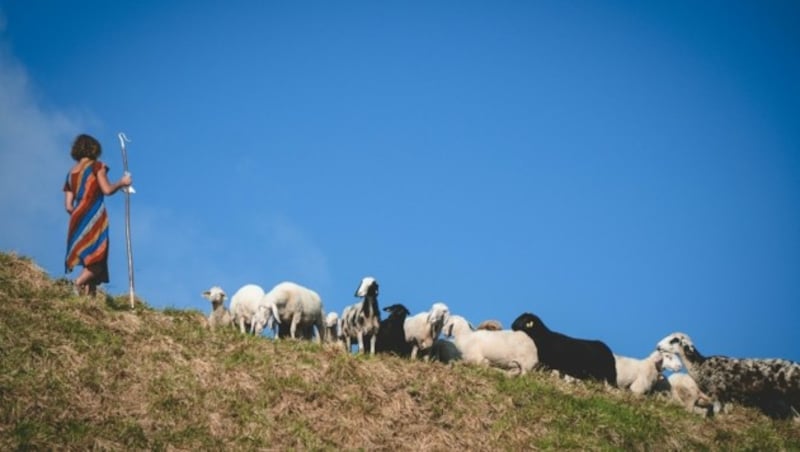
(97, 271)
(86, 283)
(83, 280)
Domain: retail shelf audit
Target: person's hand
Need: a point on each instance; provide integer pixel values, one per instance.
(126, 180)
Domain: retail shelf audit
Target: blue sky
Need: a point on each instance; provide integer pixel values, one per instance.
(622, 169)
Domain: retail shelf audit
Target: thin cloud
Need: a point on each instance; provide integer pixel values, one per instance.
(33, 164)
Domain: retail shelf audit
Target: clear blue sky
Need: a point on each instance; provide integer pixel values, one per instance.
(622, 169)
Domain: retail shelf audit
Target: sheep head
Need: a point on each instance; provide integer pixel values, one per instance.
(397, 311)
(368, 286)
(671, 362)
(530, 324)
(680, 344)
(266, 315)
(215, 295)
(438, 313)
(332, 319)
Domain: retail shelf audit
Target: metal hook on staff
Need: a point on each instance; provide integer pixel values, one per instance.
(128, 190)
(122, 140)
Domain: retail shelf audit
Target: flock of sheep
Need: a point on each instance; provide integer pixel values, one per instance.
(293, 311)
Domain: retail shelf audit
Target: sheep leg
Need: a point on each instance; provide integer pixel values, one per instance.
(360, 342)
(414, 350)
(293, 327)
(639, 387)
(372, 344)
(322, 335)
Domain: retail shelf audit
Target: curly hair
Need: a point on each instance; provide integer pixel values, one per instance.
(86, 146)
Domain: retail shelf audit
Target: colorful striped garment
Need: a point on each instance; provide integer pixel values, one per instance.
(87, 239)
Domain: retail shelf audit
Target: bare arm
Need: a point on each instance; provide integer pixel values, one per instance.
(68, 197)
(107, 187)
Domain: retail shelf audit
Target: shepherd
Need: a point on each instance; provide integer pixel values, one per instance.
(87, 238)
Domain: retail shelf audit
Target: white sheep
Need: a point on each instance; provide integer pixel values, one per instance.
(219, 317)
(505, 349)
(423, 329)
(639, 375)
(244, 305)
(298, 307)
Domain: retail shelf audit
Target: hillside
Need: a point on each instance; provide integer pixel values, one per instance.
(80, 374)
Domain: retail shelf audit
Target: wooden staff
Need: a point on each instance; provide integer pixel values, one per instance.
(128, 190)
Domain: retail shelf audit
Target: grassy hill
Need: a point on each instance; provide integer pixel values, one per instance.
(80, 374)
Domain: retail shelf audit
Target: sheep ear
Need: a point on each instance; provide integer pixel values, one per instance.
(206, 293)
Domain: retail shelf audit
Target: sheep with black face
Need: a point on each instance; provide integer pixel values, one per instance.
(391, 335)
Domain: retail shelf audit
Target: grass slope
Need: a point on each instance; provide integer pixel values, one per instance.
(92, 374)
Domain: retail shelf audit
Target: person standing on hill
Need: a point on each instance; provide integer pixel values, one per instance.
(84, 190)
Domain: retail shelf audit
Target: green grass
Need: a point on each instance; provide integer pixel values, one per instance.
(83, 374)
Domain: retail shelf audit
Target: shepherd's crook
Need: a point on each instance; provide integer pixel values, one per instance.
(128, 191)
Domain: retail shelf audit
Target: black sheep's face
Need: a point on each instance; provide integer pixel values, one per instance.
(368, 286)
(528, 323)
(397, 310)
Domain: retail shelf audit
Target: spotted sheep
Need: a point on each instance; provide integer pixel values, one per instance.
(770, 385)
(362, 320)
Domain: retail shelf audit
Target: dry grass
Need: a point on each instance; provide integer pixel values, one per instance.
(92, 374)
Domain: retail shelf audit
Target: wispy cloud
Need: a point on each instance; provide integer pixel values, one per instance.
(33, 164)
(177, 253)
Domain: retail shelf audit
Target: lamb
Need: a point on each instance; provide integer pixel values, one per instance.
(424, 328)
(362, 319)
(684, 390)
(219, 317)
(506, 349)
(640, 375)
(578, 358)
(770, 385)
(391, 333)
(299, 308)
(444, 351)
(332, 327)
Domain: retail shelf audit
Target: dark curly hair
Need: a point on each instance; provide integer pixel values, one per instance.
(86, 146)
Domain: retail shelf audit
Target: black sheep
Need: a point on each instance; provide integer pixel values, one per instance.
(578, 358)
(391, 335)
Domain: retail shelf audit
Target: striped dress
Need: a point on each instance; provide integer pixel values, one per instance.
(87, 239)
